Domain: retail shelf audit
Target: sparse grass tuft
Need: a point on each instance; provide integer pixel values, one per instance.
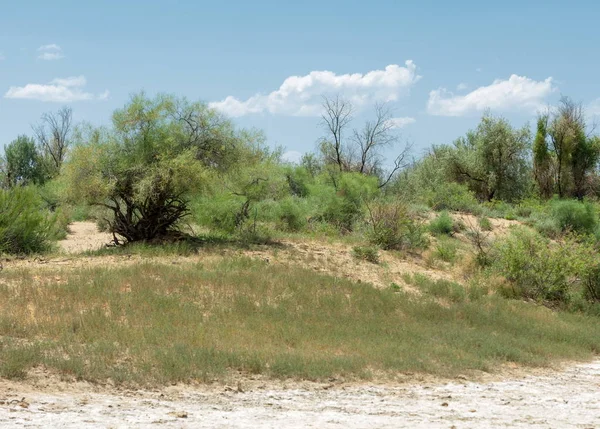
(366, 253)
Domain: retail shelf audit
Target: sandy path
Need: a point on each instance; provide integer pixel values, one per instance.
(84, 236)
(566, 399)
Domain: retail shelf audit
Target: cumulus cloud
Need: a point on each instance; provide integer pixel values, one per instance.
(61, 90)
(301, 95)
(50, 52)
(517, 92)
(401, 122)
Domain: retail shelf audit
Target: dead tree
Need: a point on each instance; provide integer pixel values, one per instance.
(53, 135)
(363, 151)
(337, 116)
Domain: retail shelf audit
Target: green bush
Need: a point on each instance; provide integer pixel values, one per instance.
(218, 212)
(540, 269)
(366, 253)
(25, 226)
(443, 224)
(547, 226)
(451, 196)
(485, 224)
(575, 216)
(291, 214)
(342, 203)
(592, 283)
(391, 227)
(446, 250)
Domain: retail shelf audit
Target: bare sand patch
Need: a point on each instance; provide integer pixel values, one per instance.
(569, 398)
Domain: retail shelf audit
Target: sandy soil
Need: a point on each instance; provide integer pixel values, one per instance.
(566, 399)
(329, 258)
(84, 236)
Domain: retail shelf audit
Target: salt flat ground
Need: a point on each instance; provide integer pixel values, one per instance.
(569, 398)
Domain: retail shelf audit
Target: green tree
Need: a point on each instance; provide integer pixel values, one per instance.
(493, 160)
(542, 159)
(575, 153)
(22, 163)
(158, 152)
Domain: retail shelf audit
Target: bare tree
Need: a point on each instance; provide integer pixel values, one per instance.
(363, 152)
(53, 134)
(337, 116)
(375, 136)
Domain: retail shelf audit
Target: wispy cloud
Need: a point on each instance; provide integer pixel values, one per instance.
(292, 156)
(515, 93)
(61, 90)
(50, 52)
(301, 95)
(401, 122)
(2, 57)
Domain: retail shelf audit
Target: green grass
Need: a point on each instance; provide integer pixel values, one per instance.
(154, 324)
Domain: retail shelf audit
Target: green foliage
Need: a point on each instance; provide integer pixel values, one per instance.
(292, 214)
(391, 227)
(25, 227)
(542, 160)
(23, 163)
(576, 216)
(443, 224)
(218, 212)
(298, 179)
(451, 196)
(366, 253)
(145, 168)
(485, 224)
(342, 204)
(493, 160)
(540, 269)
(592, 283)
(446, 250)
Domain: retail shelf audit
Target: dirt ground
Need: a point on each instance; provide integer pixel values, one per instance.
(330, 258)
(84, 236)
(569, 398)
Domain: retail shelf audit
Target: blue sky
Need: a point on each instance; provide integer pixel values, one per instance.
(439, 64)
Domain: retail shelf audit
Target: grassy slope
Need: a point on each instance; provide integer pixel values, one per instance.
(153, 324)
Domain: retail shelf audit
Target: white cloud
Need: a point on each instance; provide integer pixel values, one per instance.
(593, 109)
(104, 96)
(50, 47)
(292, 156)
(301, 95)
(401, 122)
(50, 52)
(461, 86)
(518, 92)
(50, 56)
(64, 90)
